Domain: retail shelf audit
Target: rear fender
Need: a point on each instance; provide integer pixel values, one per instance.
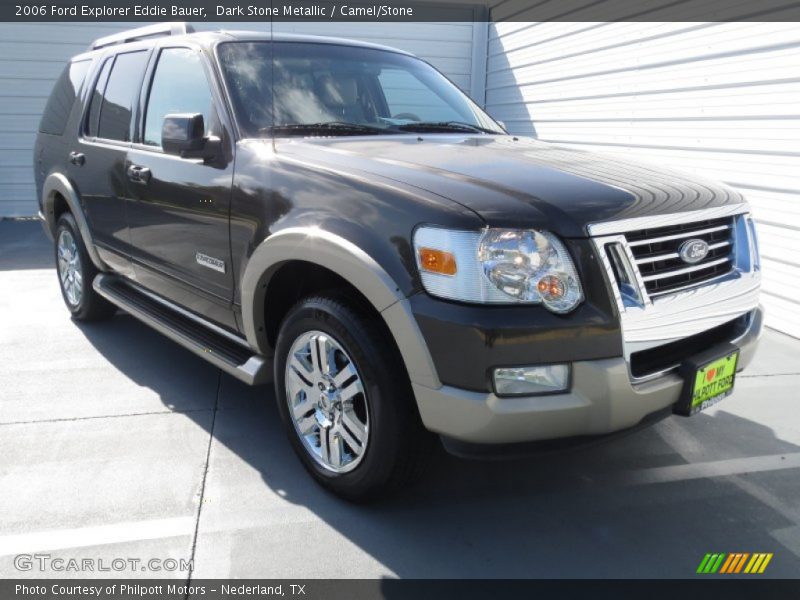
(55, 184)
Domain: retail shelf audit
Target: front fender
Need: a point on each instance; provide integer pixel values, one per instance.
(350, 262)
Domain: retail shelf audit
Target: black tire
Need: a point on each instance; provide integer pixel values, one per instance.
(397, 444)
(90, 306)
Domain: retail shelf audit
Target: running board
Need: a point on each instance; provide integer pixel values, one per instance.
(220, 348)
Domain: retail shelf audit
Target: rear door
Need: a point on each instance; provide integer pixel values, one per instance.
(97, 163)
(178, 214)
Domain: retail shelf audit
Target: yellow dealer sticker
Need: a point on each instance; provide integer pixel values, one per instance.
(713, 382)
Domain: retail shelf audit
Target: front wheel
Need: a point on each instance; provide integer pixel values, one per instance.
(345, 401)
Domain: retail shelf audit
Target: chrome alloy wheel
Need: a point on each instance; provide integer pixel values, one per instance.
(69, 268)
(327, 402)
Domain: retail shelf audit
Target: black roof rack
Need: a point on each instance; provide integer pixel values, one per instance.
(142, 33)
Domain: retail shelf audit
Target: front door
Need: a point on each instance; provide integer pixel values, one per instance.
(178, 209)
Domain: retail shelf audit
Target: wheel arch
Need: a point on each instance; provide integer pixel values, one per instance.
(350, 263)
(57, 191)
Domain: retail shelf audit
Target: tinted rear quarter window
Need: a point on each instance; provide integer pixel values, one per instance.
(62, 98)
(93, 112)
(111, 110)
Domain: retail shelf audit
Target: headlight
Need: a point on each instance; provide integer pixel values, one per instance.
(498, 266)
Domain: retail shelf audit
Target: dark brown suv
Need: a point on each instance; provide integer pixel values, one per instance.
(339, 218)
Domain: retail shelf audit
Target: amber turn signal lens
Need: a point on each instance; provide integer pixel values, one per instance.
(551, 287)
(437, 261)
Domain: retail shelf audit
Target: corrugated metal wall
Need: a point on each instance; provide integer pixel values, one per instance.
(721, 99)
(32, 56)
(717, 99)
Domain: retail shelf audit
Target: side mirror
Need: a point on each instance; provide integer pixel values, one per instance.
(184, 135)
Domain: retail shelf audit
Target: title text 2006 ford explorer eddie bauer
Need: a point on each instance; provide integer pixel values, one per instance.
(339, 218)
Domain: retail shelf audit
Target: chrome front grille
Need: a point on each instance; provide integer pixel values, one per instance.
(645, 264)
(655, 252)
(664, 303)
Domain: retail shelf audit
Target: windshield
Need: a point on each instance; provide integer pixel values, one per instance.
(326, 89)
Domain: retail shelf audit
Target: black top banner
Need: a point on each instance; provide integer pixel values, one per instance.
(401, 10)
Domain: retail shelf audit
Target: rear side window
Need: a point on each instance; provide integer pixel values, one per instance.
(93, 113)
(179, 86)
(111, 111)
(59, 105)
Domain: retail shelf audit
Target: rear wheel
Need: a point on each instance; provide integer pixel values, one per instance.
(76, 272)
(345, 400)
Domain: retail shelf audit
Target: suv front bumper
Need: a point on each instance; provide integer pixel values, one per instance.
(602, 399)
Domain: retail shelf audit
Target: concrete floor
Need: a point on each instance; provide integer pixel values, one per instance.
(117, 443)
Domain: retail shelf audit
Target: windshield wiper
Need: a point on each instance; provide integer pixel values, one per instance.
(444, 126)
(328, 127)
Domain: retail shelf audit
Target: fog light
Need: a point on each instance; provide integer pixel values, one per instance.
(529, 381)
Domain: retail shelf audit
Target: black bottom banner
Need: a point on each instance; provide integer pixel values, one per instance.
(415, 589)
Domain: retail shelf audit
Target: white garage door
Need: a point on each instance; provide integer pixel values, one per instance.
(32, 56)
(718, 99)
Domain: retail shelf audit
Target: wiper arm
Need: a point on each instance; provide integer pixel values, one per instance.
(342, 127)
(444, 126)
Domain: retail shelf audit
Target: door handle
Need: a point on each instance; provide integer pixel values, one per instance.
(138, 174)
(77, 158)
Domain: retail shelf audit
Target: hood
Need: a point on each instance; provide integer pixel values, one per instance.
(518, 182)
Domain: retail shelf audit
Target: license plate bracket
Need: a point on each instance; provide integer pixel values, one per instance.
(708, 378)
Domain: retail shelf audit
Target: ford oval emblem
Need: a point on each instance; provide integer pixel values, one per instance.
(693, 251)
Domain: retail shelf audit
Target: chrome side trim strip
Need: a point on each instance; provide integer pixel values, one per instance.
(651, 222)
(685, 270)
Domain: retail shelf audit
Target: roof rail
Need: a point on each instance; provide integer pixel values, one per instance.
(142, 33)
